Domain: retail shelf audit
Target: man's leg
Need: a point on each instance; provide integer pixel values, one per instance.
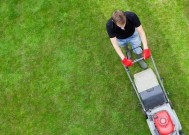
(128, 52)
(124, 44)
(136, 46)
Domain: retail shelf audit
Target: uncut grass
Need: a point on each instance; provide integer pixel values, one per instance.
(55, 83)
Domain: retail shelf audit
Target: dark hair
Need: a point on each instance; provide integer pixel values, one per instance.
(119, 17)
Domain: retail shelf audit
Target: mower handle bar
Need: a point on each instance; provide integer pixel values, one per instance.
(136, 60)
(157, 73)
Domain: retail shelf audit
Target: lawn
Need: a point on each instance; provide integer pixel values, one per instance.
(59, 73)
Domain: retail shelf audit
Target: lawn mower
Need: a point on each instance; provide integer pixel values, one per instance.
(158, 111)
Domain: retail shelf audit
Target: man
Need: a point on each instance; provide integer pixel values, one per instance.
(124, 28)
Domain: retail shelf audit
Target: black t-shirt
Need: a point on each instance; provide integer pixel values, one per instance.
(132, 21)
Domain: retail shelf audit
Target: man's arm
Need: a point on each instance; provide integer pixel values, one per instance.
(142, 36)
(146, 52)
(117, 48)
(124, 60)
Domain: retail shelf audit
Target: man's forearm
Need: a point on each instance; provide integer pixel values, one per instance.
(144, 40)
(143, 37)
(119, 51)
(117, 48)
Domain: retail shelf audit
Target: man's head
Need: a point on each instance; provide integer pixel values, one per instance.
(119, 18)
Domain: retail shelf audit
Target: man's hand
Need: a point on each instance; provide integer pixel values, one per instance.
(146, 53)
(127, 62)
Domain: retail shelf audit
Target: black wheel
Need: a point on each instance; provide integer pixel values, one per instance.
(181, 132)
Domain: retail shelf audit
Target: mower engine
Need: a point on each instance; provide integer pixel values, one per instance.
(163, 122)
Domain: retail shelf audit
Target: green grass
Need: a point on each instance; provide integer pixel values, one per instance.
(59, 74)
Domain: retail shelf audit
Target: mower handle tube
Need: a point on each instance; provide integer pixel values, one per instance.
(157, 73)
(137, 60)
(156, 70)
